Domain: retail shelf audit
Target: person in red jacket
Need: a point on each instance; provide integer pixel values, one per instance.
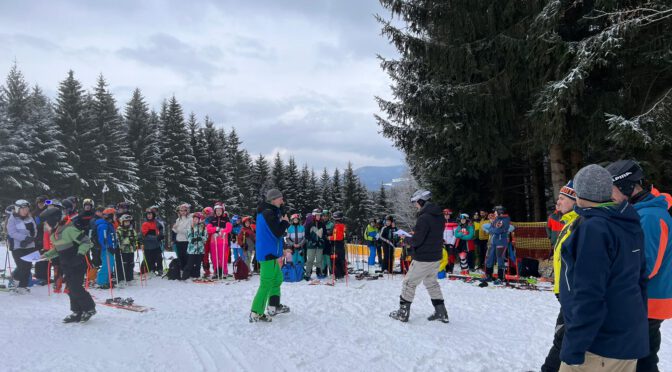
(152, 248)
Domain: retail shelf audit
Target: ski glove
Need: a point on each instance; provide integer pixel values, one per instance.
(25, 242)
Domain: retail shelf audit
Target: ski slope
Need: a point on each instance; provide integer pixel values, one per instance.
(204, 327)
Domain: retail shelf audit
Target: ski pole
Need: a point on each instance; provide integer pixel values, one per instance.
(49, 277)
(347, 273)
(109, 272)
(88, 267)
(123, 267)
(116, 269)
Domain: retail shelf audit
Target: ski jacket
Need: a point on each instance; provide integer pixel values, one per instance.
(603, 285)
(93, 231)
(270, 229)
(567, 220)
(128, 239)
(21, 231)
(316, 234)
(466, 235)
(656, 223)
(84, 221)
(197, 236)
(554, 225)
(68, 242)
(296, 234)
(482, 231)
(329, 229)
(246, 238)
(150, 234)
(449, 232)
(388, 237)
(427, 240)
(370, 234)
(499, 230)
(338, 232)
(40, 238)
(107, 237)
(181, 228)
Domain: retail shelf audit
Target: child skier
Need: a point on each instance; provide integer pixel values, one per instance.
(247, 239)
(219, 229)
(197, 236)
(107, 237)
(338, 244)
(389, 241)
(499, 232)
(128, 240)
(233, 237)
(71, 246)
(465, 244)
(296, 239)
(152, 248)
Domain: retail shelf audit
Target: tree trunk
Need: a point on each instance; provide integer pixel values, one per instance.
(537, 188)
(576, 159)
(557, 168)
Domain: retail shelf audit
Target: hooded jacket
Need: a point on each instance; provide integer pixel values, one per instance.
(22, 231)
(567, 220)
(427, 240)
(107, 237)
(656, 223)
(603, 285)
(499, 230)
(270, 229)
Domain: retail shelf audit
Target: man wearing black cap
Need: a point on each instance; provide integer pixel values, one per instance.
(603, 281)
(652, 207)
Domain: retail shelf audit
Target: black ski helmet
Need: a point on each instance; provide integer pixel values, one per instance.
(338, 215)
(52, 216)
(625, 174)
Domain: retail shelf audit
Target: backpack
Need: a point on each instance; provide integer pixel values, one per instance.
(292, 273)
(174, 272)
(529, 267)
(240, 269)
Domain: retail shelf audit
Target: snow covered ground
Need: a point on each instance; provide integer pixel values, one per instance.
(204, 327)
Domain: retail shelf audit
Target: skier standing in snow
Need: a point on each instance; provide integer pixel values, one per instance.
(272, 223)
(499, 232)
(151, 230)
(181, 228)
(70, 245)
(603, 286)
(449, 227)
(128, 240)
(246, 239)
(233, 237)
(197, 236)
(370, 236)
(338, 244)
(21, 233)
(315, 245)
(652, 207)
(565, 204)
(219, 230)
(107, 237)
(426, 250)
(464, 235)
(296, 239)
(388, 240)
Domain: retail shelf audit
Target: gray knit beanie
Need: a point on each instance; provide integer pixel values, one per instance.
(273, 194)
(593, 183)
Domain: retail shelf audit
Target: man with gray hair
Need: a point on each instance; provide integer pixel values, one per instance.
(426, 251)
(603, 281)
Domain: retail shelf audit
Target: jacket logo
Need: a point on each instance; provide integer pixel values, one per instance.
(622, 176)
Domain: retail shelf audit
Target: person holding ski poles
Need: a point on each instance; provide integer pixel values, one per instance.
(426, 251)
(219, 229)
(151, 231)
(197, 236)
(22, 233)
(388, 240)
(71, 246)
(128, 240)
(272, 223)
(107, 237)
(370, 236)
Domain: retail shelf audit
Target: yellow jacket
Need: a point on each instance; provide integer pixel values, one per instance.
(482, 234)
(567, 220)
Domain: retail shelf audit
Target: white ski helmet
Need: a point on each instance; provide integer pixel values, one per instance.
(421, 195)
(21, 203)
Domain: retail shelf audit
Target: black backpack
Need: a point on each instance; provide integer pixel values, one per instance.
(174, 272)
(529, 267)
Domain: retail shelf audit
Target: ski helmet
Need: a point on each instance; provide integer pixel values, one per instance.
(247, 219)
(234, 219)
(325, 212)
(208, 211)
(109, 212)
(88, 202)
(447, 211)
(126, 217)
(198, 215)
(295, 216)
(21, 203)
(421, 195)
(338, 215)
(625, 174)
(52, 216)
(150, 211)
(68, 206)
(464, 216)
(500, 209)
(317, 212)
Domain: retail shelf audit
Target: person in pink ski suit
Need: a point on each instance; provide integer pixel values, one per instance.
(219, 229)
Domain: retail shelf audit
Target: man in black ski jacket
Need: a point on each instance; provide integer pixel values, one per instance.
(426, 250)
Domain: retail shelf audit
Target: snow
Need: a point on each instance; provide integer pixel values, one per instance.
(204, 327)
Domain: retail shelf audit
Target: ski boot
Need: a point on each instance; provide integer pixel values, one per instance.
(440, 312)
(86, 315)
(75, 317)
(403, 313)
(21, 291)
(275, 310)
(255, 318)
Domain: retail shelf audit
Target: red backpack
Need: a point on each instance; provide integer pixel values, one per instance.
(240, 269)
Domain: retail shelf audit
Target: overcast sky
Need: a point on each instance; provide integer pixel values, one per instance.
(295, 76)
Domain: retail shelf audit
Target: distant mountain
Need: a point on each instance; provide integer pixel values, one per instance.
(372, 177)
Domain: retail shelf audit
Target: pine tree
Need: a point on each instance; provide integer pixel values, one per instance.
(49, 166)
(261, 178)
(313, 198)
(336, 197)
(325, 197)
(236, 162)
(215, 155)
(278, 173)
(352, 199)
(76, 137)
(382, 205)
(249, 205)
(198, 146)
(116, 169)
(291, 190)
(15, 137)
(302, 193)
(143, 141)
(178, 159)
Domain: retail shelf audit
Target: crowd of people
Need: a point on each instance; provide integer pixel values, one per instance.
(612, 256)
